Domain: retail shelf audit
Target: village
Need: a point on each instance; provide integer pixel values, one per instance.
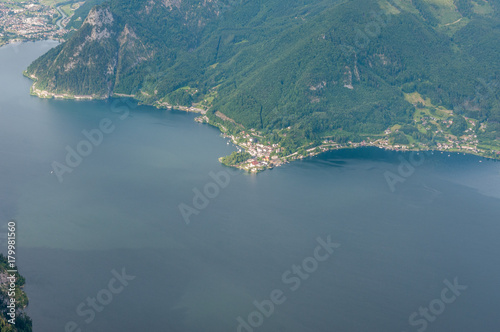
(30, 21)
(43, 19)
(264, 155)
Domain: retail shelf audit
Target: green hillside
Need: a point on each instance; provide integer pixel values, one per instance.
(342, 70)
(23, 323)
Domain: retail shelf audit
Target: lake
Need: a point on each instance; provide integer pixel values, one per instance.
(144, 230)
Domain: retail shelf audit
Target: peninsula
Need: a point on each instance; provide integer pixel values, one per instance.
(288, 83)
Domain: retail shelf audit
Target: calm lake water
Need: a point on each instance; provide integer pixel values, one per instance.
(119, 209)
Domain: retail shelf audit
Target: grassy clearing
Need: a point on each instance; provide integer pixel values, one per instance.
(424, 107)
(483, 8)
(388, 7)
(68, 10)
(444, 10)
(51, 2)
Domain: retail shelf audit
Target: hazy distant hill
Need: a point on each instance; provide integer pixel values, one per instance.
(324, 67)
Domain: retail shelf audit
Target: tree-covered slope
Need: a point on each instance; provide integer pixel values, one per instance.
(11, 291)
(323, 67)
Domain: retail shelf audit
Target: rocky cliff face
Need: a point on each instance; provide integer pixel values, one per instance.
(86, 64)
(115, 39)
(321, 66)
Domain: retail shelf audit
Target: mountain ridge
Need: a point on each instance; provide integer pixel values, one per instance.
(271, 66)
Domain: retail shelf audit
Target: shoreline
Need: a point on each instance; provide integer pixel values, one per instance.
(295, 157)
(268, 159)
(262, 159)
(44, 94)
(20, 41)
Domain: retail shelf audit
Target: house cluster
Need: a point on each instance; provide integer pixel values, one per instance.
(28, 21)
(445, 146)
(262, 155)
(447, 123)
(259, 150)
(254, 165)
(329, 141)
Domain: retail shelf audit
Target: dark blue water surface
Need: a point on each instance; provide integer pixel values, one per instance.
(401, 246)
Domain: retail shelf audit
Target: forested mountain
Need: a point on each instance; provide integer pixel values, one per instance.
(325, 68)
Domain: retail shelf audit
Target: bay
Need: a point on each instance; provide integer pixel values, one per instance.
(118, 210)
